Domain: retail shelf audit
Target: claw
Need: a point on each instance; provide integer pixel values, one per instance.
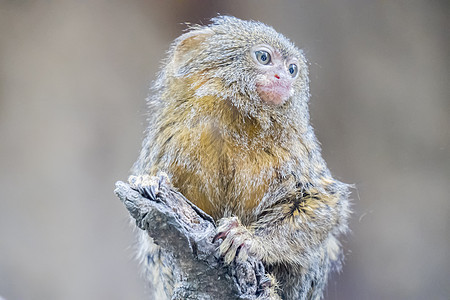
(220, 235)
(224, 228)
(132, 180)
(242, 251)
(150, 192)
(265, 283)
(147, 185)
(163, 179)
(236, 240)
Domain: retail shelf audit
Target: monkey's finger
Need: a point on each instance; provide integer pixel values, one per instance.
(150, 192)
(221, 235)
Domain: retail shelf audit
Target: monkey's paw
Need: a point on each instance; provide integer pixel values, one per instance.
(237, 242)
(147, 185)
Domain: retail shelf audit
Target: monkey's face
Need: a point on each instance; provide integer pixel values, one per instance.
(275, 74)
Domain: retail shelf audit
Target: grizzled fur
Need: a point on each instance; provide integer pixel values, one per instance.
(255, 167)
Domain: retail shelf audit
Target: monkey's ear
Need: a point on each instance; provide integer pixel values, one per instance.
(187, 48)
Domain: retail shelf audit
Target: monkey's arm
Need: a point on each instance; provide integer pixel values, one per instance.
(301, 223)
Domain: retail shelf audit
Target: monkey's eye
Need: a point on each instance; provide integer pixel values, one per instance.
(293, 70)
(263, 57)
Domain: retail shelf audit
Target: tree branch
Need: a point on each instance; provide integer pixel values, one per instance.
(178, 226)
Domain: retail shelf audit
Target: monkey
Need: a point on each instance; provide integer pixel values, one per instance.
(229, 124)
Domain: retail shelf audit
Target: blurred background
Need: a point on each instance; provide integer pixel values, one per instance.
(73, 79)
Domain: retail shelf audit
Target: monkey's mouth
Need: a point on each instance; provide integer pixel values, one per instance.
(274, 93)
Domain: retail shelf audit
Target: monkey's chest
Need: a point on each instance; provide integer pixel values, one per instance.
(225, 179)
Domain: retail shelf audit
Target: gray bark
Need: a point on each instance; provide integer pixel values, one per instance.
(178, 226)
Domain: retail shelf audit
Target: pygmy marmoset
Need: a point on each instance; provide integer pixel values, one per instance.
(229, 125)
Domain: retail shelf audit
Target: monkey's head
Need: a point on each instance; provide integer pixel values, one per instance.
(246, 63)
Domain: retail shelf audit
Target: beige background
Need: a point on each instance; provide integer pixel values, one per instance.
(73, 78)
